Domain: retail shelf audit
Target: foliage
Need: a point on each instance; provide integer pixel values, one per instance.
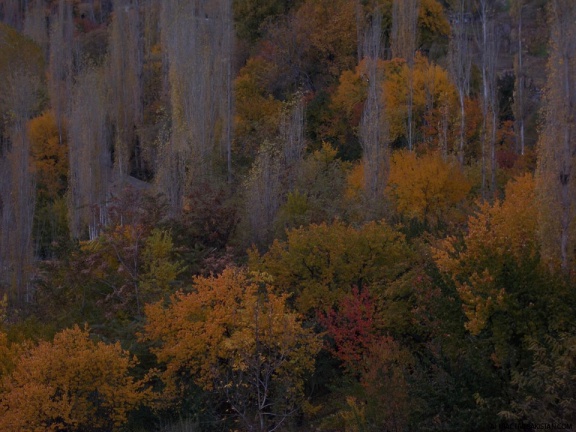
(318, 264)
(545, 392)
(257, 112)
(50, 156)
(504, 229)
(317, 192)
(427, 188)
(71, 384)
(231, 334)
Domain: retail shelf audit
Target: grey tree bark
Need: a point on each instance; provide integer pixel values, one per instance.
(373, 128)
(557, 147)
(461, 65)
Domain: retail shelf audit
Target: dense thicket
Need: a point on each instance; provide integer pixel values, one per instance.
(271, 215)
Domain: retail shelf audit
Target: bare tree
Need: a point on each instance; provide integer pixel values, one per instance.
(403, 44)
(35, 24)
(520, 82)
(12, 12)
(274, 172)
(198, 42)
(17, 188)
(557, 148)
(461, 64)
(373, 130)
(125, 65)
(90, 158)
(61, 62)
(488, 45)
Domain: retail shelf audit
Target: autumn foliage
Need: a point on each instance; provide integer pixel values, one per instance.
(72, 383)
(273, 215)
(233, 335)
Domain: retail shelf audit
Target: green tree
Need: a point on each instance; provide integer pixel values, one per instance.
(318, 264)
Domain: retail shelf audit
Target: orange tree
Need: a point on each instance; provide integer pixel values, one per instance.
(234, 336)
(72, 383)
(426, 188)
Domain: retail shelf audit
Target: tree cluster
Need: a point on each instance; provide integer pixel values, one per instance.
(272, 215)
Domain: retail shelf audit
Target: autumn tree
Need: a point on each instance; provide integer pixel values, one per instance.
(556, 147)
(50, 164)
(372, 358)
(71, 383)
(504, 286)
(426, 188)
(234, 335)
(498, 234)
(433, 100)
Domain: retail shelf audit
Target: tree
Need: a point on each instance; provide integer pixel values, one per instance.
(50, 163)
(318, 264)
(90, 158)
(375, 360)
(274, 172)
(461, 65)
(196, 36)
(556, 146)
(426, 188)
(72, 383)
(497, 235)
(404, 38)
(233, 335)
(21, 70)
(488, 44)
(373, 127)
(124, 74)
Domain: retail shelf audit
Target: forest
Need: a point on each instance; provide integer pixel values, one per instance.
(287, 215)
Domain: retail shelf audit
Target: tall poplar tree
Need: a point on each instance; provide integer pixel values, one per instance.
(196, 37)
(488, 46)
(90, 158)
(557, 145)
(373, 129)
(404, 44)
(21, 73)
(461, 64)
(125, 73)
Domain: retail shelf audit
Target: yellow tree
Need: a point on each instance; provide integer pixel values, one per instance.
(504, 230)
(72, 383)
(49, 156)
(426, 188)
(231, 334)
